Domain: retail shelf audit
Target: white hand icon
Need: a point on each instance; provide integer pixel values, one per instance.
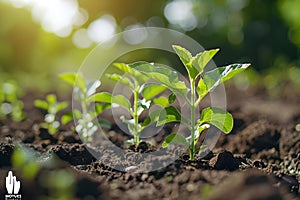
(9, 182)
(12, 185)
(17, 186)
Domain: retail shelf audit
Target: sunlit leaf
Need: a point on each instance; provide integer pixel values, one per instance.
(162, 101)
(99, 108)
(213, 78)
(41, 104)
(201, 60)
(75, 79)
(163, 75)
(129, 68)
(219, 118)
(152, 90)
(121, 79)
(106, 97)
(62, 105)
(202, 89)
(174, 138)
(185, 57)
(194, 65)
(66, 118)
(51, 98)
(77, 114)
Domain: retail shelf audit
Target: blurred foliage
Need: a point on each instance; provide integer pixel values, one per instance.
(10, 104)
(259, 32)
(45, 172)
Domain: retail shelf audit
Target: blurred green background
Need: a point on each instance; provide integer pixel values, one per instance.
(41, 38)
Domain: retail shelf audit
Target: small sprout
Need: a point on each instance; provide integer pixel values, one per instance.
(201, 83)
(10, 105)
(52, 107)
(144, 95)
(25, 160)
(88, 113)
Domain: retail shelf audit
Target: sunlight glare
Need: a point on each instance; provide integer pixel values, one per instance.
(102, 29)
(55, 16)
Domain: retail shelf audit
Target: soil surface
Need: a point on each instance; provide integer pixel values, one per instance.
(258, 160)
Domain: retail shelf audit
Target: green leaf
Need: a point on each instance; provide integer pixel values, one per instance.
(66, 118)
(122, 79)
(162, 101)
(106, 97)
(219, 118)
(99, 108)
(41, 104)
(152, 90)
(74, 79)
(169, 114)
(174, 138)
(213, 78)
(185, 57)
(202, 59)
(202, 89)
(61, 106)
(129, 68)
(77, 114)
(51, 98)
(194, 65)
(164, 76)
(172, 98)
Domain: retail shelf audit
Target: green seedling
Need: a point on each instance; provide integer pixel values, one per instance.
(10, 105)
(52, 107)
(144, 95)
(87, 114)
(44, 168)
(201, 83)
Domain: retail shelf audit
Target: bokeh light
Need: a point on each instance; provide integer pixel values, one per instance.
(102, 29)
(56, 16)
(180, 13)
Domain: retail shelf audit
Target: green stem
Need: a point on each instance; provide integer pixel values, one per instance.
(84, 114)
(135, 116)
(193, 116)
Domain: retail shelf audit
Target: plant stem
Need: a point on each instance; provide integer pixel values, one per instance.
(85, 114)
(193, 113)
(136, 117)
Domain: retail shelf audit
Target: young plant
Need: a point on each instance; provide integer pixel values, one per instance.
(88, 111)
(10, 105)
(52, 107)
(201, 83)
(144, 95)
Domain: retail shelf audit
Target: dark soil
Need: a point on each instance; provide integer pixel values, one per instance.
(258, 160)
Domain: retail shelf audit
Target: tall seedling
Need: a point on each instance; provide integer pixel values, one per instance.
(200, 84)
